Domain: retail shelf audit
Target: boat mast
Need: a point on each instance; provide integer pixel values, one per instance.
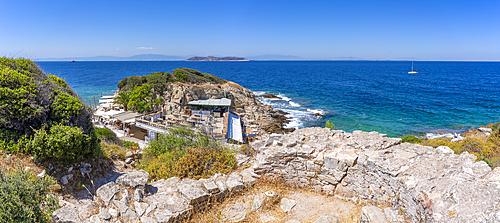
(412, 65)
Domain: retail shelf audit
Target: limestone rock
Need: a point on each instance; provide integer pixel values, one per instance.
(393, 217)
(264, 218)
(113, 212)
(272, 197)
(138, 194)
(236, 213)
(211, 186)
(94, 219)
(66, 214)
(235, 182)
(104, 214)
(133, 179)
(258, 201)
(86, 210)
(107, 191)
(163, 216)
(121, 205)
(372, 214)
(174, 202)
(194, 194)
(327, 219)
(140, 208)
(130, 216)
(247, 177)
(151, 208)
(287, 204)
(66, 178)
(41, 175)
(145, 219)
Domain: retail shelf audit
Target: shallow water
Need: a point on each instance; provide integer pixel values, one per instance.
(366, 95)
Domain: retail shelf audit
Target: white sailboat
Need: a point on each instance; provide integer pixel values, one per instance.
(412, 71)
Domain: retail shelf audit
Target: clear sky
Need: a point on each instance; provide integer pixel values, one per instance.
(425, 30)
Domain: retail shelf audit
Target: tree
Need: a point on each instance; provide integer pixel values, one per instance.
(123, 99)
(141, 98)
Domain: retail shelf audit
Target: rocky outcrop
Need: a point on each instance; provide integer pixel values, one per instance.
(414, 183)
(171, 200)
(426, 184)
(245, 105)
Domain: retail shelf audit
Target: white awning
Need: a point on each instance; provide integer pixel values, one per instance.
(106, 100)
(212, 102)
(111, 113)
(126, 116)
(108, 96)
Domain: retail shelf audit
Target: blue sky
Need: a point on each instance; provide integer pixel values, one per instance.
(425, 30)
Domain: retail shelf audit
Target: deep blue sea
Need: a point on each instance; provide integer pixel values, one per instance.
(354, 95)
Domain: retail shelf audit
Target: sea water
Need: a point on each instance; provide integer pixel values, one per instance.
(444, 97)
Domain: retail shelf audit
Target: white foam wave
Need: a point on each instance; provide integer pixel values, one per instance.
(436, 136)
(283, 97)
(316, 111)
(258, 93)
(294, 104)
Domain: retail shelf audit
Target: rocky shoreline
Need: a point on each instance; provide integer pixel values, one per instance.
(251, 110)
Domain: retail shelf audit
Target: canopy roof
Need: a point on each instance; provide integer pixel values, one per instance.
(126, 115)
(212, 102)
(108, 96)
(106, 100)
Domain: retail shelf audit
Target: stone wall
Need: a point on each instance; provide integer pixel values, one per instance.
(425, 184)
(130, 199)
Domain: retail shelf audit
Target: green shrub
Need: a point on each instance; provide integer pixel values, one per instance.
(329, 125)
(30, 99)
(113, 151)
(66, 107)
(122, 83)
(24, 198)
(64, 143)
(495, 127)
(411, 139)
(181, 75)
(134, 81)
(184, 153)
(106, 135)
(130, 145)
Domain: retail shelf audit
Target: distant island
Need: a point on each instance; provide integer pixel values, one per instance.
(211, 58)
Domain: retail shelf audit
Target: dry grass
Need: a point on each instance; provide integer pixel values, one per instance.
(319, 205)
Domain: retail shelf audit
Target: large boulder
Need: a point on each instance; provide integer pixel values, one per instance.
(134, 179)
(66, 214)
(107, 191)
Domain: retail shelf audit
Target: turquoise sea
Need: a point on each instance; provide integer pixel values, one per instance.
(354, 95)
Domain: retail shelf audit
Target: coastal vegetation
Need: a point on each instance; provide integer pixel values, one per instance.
(25, 197)
(144, 93)
(411, 139)
(185, 153)
(41, 115)
(329, 125)
(485, 148)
